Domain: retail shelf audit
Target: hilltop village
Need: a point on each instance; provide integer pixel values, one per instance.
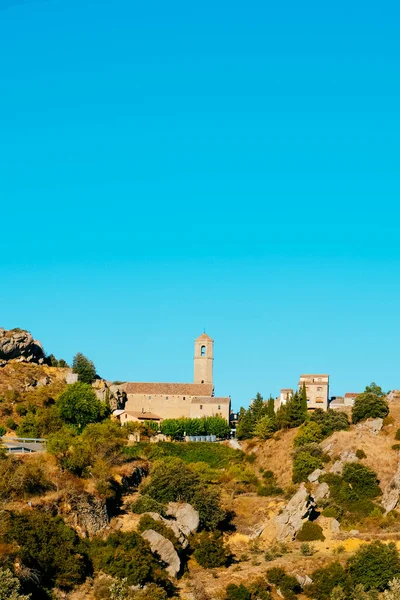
(151, 491)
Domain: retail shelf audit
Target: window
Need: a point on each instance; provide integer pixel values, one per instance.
(184, 397)
(149, 397)
(319, 389)
(319, 399)
(219, 407)
(201, 407)
(202, 381)
(166, 397)
(203, 351)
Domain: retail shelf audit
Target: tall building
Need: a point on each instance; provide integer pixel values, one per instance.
(317, 389)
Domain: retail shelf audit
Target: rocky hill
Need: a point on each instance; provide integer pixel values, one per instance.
(18, 344)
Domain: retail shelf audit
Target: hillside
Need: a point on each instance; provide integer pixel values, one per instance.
(100, 516)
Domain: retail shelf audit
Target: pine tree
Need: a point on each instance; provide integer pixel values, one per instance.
(84, 368)
(296, 414)
(304, 397)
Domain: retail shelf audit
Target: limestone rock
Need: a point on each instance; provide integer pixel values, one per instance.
(187, 518)
(71, 377)
(19, 344)
(87, 514)
(391, 493)
(321, 492)
(165, 550)
(315, 475)
(171, 524)
(335, 526)
(346, 457)
(294, 514)
(303, 580)
(372, 425)
(235, 444)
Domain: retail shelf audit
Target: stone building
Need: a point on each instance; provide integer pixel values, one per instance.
(317, 388)
(285, 395)
(161, 401)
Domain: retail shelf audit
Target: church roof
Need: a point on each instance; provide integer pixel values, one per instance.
(204, 337)
(147, 416)
(169, 389)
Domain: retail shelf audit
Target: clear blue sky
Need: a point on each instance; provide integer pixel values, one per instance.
(170, 166)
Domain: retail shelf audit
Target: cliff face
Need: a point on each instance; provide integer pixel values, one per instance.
(18, 344)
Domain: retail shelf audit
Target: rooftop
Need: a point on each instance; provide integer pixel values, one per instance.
(169, 389)
(142, 415)
(200, 400)
(204, 337)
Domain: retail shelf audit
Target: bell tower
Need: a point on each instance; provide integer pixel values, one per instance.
(203, 359)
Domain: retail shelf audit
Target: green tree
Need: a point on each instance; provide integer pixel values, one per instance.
(296, 412)
(265, 427)
(84, 368)
(29, 427)
(373, 388)
(303, 397)
(10, 587)
(172, 481)
(217, 426)
(237, 592)
(79, 405)
(174, 428)
(245, 426)
(327, 579)
(374, 565)
(309, 432)
(368, 405)
(329, 421)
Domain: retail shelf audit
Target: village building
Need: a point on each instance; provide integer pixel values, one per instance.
(158, 401)
(317, 390)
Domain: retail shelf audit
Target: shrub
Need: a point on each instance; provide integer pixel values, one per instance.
(172, 481)
(329, 421)
(362, 480)
(146, 504)
(310, 532)
(374, 565)
(308, 433)
(237, 592)
(396, 447)
(126, 555)
(49, 547)
(11, 424)
(287, 584)
(325, 580)
(208, 504)
(306, 549)
(268, 475)
(22, 478)
(368, 405)
(79, 406)
(10, 587)
(29, 427)
(210, 551)
(269, 490)
(306, 460)
(360, 454)
(3, 430)
(397, 436)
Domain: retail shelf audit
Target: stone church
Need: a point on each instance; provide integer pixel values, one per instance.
(159, 401)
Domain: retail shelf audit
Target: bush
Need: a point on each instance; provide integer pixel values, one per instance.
(210, 551)
(146, 504)
(310, 532)
(368, 405)
(265, 427)
(396, 447)
(29, 427)
(306, 549)
(360, 454)
(287, 584)
(3, 430)
(308, 433)
(397, 436)
(172, 481)
(207, 502)
(374, 565)
(306, 460)
(325, 580)
(237, 592)
(362, 480)
(11, 424)
(21, 479)
(330, 421)
(10, 587)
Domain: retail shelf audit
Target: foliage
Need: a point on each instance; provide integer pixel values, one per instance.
(360, 454)
(207, 502)
(84, 368)
(48, 546)
(175, 428)
(306, 549)
(147, 522)
(308, 433)
(10, 587)
(214, 425)
(310, 532)
(329, 421)
(397, 436)
(393, 593)
(287, 584)
(265, 427)
(293, 413)
(373, 388)
(29, 426)
(210, 551)
(237, 592)
(248, 419)
(3, 430)
(369, 405)
(79, 406)
(374, 565)
(126, 555)
(257, 590)
(307, 459)
(54, 362)
(21, 479)
(146, 504)
(216, 456)
(326, 579)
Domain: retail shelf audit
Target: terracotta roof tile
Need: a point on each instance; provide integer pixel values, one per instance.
(204, 336)
(169, 389)
(208, 400)
(141, 415)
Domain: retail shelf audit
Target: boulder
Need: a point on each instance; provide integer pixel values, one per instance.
(335, 526)
(297, 510)
(315, 475)
(18, 344)
(165, 550)
(86, 513)
(71, 377)
(187, 518)
(171, 524)
(391, 493)
(372, 425)
(321, 492)
(346, 457)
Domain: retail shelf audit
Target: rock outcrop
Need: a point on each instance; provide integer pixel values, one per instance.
(346, 457)
(297, 510)
(187, 518)
(391, 493)
(165, 550)
(171, 524)
(87, 514)
(18, 344)
(372, 425)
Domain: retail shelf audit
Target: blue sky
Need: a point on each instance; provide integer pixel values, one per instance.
(170, 166)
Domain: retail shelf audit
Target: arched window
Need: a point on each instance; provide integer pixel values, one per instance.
(203, 351)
